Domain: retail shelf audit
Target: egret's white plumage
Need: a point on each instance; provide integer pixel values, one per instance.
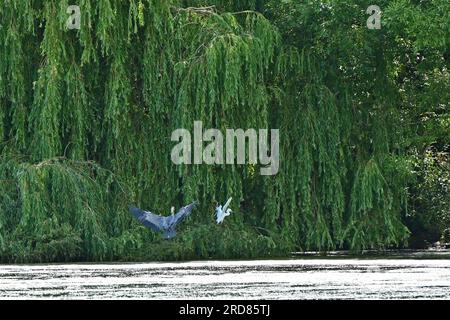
(223, 212)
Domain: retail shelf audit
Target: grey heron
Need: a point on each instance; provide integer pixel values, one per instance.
(223, 212)
(160, 223)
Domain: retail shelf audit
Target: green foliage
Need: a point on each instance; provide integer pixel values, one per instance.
(429, 215)
(214, 242)
(86, 118)
(59, 210)
(372, 220)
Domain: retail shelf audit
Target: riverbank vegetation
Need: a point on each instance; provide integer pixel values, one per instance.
(86, 118)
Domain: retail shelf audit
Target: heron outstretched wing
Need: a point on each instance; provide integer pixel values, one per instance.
(148, 219)
(183, 213)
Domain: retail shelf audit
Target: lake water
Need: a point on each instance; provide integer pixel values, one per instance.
(278, 279)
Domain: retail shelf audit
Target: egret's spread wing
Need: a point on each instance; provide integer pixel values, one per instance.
(184, 212)
(148, 219)
(225, 207)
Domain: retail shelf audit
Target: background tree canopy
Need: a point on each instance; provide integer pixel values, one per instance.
(86, 118)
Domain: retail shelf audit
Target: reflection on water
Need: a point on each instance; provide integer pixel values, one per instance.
(284, 279)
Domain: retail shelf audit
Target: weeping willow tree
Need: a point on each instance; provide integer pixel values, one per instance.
(349, 95)
(340, 126)
(86, 118)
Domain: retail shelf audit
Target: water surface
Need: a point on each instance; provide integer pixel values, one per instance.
(279, 279)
